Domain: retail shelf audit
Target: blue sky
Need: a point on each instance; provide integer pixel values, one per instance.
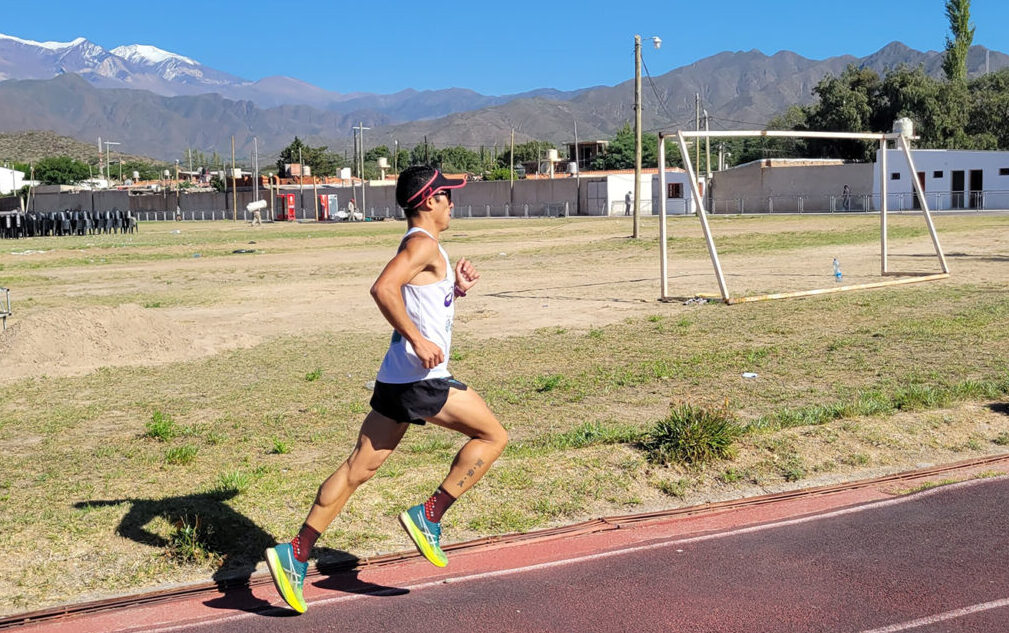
(493, 48)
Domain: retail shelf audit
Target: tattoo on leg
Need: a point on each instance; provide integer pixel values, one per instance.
(469, 473)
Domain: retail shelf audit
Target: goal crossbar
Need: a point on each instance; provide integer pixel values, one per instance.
(702, 214)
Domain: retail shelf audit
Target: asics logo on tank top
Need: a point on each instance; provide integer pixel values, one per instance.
(449, 297)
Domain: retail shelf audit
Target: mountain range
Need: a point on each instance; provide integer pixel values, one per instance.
(159, 103)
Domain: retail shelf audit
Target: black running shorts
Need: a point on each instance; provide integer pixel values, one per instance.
(413, 402)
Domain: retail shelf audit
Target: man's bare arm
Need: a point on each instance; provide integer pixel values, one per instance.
(417, 255)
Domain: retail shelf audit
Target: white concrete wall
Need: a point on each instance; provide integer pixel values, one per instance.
(617, 186)
(10, 180)
(674, 206)
(938, 167)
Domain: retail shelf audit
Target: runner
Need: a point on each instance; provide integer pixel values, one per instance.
(416, 293)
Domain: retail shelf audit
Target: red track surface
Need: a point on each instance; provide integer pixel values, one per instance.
(854, 560)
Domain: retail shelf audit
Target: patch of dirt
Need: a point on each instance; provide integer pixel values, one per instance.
(72, 341)
(577, 276)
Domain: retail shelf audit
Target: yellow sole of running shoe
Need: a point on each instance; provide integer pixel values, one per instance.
(422, 545)
(281, 582)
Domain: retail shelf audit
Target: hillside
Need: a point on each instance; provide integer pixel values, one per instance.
(33, 145)
(741, 89)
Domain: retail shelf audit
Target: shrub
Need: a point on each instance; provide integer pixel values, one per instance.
(692, 435)
(181, 455)
(162, 427)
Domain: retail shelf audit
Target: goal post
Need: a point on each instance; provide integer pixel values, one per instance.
(702, 214)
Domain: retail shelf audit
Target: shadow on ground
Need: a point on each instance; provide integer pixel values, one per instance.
(208, 530)
(1000, 407)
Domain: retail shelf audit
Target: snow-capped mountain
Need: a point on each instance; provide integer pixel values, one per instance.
(134, 66)
(168, 74)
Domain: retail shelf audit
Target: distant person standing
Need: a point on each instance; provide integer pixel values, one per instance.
(416, 294)
(628, 199)
(846, 198)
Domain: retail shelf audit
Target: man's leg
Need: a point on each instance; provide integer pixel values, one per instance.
(464, 411)
(378, 438)
(288, 562)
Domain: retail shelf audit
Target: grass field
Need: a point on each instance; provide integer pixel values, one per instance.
(168, 406)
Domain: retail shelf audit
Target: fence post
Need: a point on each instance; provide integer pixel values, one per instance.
(469, 211)
(525, 210)
(488, 210)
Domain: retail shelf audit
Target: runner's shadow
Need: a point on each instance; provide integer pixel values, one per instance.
(1000, 407)
(341, 574)
(204, 529)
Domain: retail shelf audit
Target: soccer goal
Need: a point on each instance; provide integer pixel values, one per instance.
(884, 139)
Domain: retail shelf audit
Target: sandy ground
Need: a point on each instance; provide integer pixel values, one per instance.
(568, 275)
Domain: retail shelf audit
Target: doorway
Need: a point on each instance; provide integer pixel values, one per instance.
(957, 190)
(976, 188)
(916, 203)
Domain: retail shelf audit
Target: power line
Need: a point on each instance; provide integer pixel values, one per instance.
(655, 91)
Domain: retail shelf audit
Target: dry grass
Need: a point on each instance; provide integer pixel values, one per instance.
(131, 476)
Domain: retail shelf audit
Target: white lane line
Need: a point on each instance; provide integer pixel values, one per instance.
(942, 617)
(591, 557)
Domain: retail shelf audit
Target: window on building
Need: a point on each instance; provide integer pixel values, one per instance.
(674, 190)
(895, 175)
(1003, 171)
(937, 174)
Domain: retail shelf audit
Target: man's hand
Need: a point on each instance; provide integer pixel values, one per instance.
(429, 354)
(465, 274)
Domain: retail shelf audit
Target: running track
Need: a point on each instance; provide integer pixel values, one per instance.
(932, 562)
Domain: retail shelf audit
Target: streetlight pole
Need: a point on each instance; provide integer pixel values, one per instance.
(637, 130)
(637, 135)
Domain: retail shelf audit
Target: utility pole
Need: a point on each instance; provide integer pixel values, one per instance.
(578, 172)
(637, 130)
(255, 167)
(707, 147)
(707, 164)
(234, 184)
(364, 200)
(511, 177)
(697, 127)
(637, 135)
(301, 183)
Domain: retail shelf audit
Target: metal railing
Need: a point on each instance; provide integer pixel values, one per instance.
(861, 203)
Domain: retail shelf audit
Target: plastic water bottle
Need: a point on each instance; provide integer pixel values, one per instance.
(837, 270)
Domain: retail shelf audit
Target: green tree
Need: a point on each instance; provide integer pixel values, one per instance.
(458, 159)
(528, 152)
(322, 162)
(61, 170)
(498, 173)
(989, 110)
(846, 103)
(954, 64)
(147, 171)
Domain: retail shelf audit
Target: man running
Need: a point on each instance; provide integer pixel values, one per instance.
(416, 293)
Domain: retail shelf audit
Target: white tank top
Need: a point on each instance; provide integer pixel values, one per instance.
(431, 307)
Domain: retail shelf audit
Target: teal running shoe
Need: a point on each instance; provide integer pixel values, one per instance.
(288, 575)
(426, 535)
